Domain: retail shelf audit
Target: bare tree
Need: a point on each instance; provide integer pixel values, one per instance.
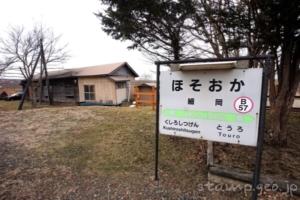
(221, 28)
(3, 66)
(249, 27)
(146, 76)
(20, 49)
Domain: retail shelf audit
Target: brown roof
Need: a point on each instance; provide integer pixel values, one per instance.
(98, 70)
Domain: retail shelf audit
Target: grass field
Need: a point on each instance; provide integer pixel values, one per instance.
(100, 153)
(12, 105)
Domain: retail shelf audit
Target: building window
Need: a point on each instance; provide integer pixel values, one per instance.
(121, 85)
(89, 92)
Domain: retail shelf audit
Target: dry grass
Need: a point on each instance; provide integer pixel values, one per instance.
(282, 162)
(95, 147)
(12, 105)
(32, 128)
(122, 144)
(97, 153)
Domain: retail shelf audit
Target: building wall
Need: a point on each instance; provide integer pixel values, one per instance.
(63, 90)
(125, 72)
(147, 89)
(105, 89)
(298, 92)
(131, 88)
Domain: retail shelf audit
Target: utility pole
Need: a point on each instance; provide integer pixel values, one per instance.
(28, 83)
(41, 58)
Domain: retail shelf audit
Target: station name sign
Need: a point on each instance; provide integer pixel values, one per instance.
(215, 105)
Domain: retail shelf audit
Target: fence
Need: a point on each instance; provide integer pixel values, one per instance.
(145, 96)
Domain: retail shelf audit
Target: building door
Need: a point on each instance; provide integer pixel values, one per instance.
(121, 92)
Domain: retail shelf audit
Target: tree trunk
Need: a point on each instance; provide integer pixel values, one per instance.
(278, 121)
(279, 115)
(282, 96)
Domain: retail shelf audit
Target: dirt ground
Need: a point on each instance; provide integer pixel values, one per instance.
(108, 153)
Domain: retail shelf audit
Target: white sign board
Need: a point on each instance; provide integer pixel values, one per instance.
(214, 105)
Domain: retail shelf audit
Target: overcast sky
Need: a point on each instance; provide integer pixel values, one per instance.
(80, 29)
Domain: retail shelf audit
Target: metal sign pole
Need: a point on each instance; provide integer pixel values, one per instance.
(261, 128)
(157, 120)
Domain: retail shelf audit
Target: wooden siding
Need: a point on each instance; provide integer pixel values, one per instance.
(144, 90)
(145, 95)
(105, 89)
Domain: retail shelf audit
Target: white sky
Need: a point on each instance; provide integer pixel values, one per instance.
(79, 27)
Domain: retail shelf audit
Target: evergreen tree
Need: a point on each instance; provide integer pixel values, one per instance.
(177, 29)
(153, 26)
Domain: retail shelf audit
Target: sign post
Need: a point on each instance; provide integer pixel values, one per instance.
(260, 139)
(157, 119)
(221, 105)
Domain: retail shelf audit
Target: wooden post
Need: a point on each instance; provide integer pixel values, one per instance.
(41, 91)
(50, 97)
(28, 83)
(210, 153)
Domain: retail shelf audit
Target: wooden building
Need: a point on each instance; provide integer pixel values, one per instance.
(109, 84)
(145, 93)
